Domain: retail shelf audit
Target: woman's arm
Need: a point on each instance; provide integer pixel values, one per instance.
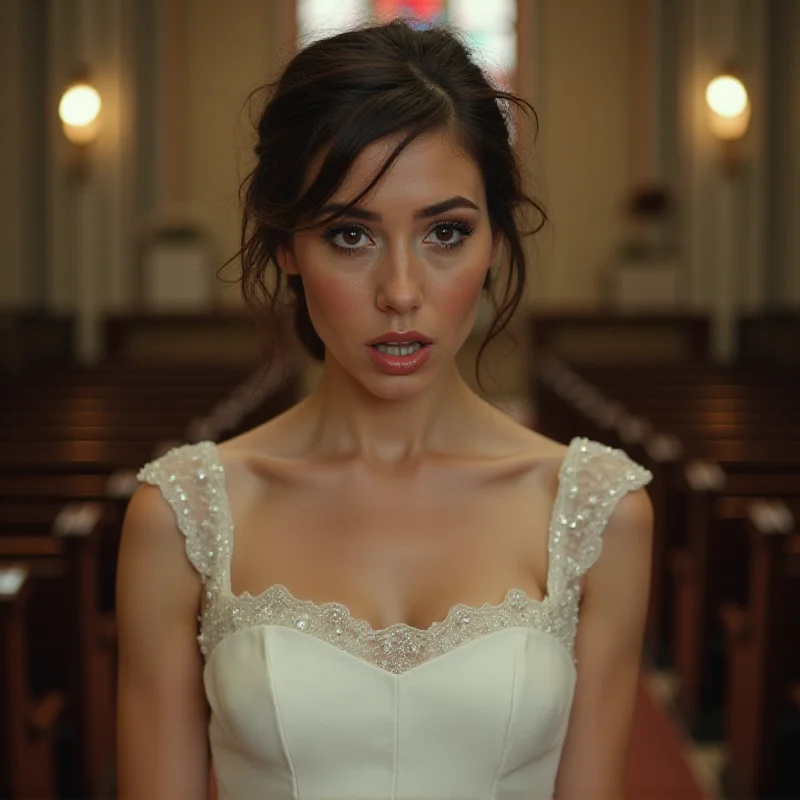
(162, 717)
(608, 651)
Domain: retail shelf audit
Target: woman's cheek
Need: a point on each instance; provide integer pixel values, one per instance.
(332, 301)
(459, 299)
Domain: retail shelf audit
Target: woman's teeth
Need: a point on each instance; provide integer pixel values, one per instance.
(398, 349)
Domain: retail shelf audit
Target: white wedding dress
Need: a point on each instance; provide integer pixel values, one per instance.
(309, 703)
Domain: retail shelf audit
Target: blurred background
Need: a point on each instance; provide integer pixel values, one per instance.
(662, 315)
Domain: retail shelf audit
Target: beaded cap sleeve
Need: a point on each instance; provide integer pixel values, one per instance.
(191, 480)
(594, 478)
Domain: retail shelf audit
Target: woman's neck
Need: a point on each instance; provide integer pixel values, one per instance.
(349, 421)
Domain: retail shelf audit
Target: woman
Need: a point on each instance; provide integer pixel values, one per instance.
(398, 616)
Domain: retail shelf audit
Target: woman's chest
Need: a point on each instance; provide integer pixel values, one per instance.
(402, 552)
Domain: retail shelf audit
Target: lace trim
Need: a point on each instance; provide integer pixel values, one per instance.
(395, 649)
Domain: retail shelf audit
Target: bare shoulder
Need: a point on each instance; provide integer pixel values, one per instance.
(533, 451)
(149, 524)
(629, 530)
(273, 452)
(633, 512)
(152, 552)
(626, 554)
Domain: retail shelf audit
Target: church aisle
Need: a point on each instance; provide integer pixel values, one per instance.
(659, 765)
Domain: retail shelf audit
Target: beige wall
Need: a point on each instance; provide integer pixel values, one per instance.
(583, 79)
(583, 152)
(229, 49)
(12, 185)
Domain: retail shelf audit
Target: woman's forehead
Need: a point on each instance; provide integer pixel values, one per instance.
(432, 166)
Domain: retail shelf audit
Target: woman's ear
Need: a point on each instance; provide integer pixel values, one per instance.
(287, 263)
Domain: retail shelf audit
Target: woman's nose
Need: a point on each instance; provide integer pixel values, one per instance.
(400, 285)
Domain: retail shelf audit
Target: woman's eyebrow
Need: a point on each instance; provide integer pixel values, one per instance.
(428, 211)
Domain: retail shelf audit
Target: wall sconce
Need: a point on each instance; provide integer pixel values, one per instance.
(728, 116)
(79, 111)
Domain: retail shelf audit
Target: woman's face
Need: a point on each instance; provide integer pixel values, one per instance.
(399, 264)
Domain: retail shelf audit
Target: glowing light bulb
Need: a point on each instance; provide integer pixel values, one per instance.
(728, 107)
(726, 96)
(79, 110)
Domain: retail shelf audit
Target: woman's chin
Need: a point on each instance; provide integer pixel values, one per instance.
(394, 387)
(384, 384)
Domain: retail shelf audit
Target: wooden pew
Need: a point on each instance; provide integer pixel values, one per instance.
(19, 493)
(30, 339)
(28, 724)
(770, 338)
(763, 644)
(587, 337)
(116, 434)
(677, 506)
(73, 457)
(94, 431)
(708, 418)
(683, 503)
(82, 665)
(709, 570)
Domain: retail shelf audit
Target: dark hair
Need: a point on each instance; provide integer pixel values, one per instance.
(347, 91)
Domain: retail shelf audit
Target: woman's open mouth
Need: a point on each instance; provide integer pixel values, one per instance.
(399, 358)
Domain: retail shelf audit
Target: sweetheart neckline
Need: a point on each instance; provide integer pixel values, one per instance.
(331, 605)
(416, 667)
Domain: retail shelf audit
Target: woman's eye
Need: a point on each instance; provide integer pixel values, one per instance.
(451, 234)
(347, 237)
(446, 234)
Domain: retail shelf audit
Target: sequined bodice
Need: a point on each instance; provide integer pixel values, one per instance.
(592, 478)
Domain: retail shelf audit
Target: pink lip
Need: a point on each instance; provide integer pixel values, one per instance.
(399, 365)
(398, 337)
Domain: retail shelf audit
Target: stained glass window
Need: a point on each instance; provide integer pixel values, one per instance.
(490, 25)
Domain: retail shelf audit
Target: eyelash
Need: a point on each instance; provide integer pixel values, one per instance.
(461, 225)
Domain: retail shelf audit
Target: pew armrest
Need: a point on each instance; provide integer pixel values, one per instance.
(770, 518)
(704, 476)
